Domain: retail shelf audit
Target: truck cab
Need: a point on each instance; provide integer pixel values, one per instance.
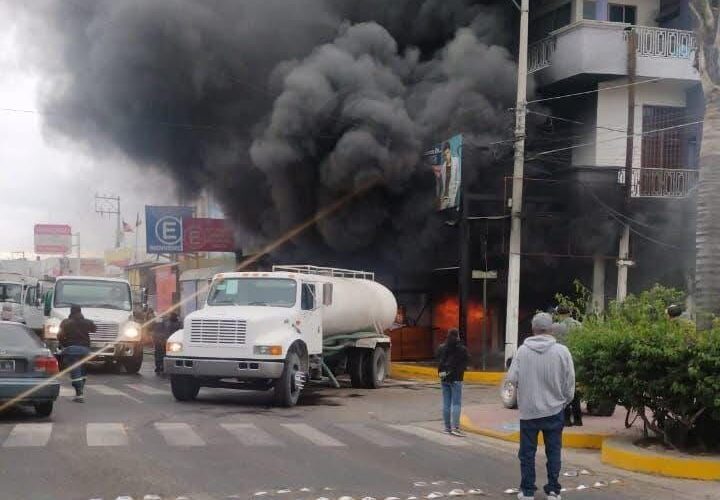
(263, 330)
(19, 300)
(108, 303)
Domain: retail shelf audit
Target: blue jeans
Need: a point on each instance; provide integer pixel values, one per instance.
(71, 355)
(552, 428)
(452, 402)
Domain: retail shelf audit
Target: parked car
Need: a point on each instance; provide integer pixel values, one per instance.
(25, 363)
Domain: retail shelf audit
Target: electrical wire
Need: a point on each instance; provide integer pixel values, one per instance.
(575, 94)
(591, 143)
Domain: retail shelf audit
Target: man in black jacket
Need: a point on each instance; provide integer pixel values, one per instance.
(161, 332)
(74, 339)
(453, 358)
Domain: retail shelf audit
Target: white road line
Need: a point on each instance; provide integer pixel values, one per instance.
(67, 392)
(251, 435)
(373, 435)
(106, 435)
(313, 435)
(179, 434)
(24, 435)
(148, 389)
(106, 390)
(435, 437)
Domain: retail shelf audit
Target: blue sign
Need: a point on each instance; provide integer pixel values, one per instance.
(163, 228)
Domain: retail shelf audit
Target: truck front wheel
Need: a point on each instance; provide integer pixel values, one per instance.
(289, 385)
(132, 365)
(184, 387)
(375, 368)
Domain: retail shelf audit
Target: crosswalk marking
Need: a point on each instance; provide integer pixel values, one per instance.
(66, 392)
(106, 390)
(179, 434)
(106, 435)
(251, 435)
(147, 389)
(374, 436)
(435, 437)
(24, 435)
(313, 435)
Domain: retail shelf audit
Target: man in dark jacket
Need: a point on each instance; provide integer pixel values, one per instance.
(74, 340)
(161, 333)
(453, 359)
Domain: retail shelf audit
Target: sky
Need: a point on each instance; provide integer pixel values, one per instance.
(44, 180)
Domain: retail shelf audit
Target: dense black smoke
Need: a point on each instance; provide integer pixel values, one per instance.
(281, 107)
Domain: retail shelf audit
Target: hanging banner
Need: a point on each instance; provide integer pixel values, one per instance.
(445, 159)
(207, 235)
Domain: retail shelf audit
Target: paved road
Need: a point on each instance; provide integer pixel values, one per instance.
(132, 439)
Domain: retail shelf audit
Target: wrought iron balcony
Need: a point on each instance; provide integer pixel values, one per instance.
(663, 42)
(661, 182)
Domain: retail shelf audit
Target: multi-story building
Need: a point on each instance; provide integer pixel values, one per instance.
(581, 60)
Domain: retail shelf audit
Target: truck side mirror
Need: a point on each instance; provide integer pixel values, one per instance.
(48, 303)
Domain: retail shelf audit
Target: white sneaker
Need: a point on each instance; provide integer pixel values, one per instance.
(521, 496)
(554, 496)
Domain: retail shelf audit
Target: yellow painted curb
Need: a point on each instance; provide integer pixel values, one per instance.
(400, 370)
(569, 439)
(622, 454)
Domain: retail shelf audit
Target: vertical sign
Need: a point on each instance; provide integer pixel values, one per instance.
(445, 159)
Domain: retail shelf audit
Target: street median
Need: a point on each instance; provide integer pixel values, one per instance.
(423, 372)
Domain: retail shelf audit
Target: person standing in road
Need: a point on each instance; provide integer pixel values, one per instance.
(161, 332)
(544, 375)
(74, 340)
(453, 359)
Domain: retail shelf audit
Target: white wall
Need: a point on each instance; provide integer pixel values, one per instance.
(609, 149)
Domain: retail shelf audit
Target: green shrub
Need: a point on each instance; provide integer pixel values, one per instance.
(661, 369)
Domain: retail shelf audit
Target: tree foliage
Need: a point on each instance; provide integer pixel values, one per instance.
(660, 369)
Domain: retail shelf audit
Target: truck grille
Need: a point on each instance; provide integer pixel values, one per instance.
(106, 332)
(217, 331)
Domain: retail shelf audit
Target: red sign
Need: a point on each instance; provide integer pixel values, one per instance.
(53, 238)
(207, 235)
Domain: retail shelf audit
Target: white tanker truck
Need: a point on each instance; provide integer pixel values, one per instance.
(278, 330)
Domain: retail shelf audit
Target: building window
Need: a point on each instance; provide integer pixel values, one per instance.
(622, 13)
(547, 23)
(663, 149)
(589, 7)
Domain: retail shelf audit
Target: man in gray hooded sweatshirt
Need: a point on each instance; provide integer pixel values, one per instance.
(543, 372)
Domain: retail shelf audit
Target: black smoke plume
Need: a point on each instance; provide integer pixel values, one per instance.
(279, 107)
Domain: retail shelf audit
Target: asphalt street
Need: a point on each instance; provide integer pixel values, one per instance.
(132, 440)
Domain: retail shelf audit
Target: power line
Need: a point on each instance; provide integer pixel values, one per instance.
(575, 94)
(640, 134)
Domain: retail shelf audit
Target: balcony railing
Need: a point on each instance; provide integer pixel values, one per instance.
(663, 42)
(660, 182)
(540, 54)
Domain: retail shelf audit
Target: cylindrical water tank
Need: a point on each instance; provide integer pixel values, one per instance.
(357, 306)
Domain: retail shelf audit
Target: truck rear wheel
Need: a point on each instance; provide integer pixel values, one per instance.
(356, 367)
(375, 368)
(287, 387)
(184, 387)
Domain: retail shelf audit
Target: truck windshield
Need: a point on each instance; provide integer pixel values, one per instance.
(253, 292)
(10, 292)
(91, 293)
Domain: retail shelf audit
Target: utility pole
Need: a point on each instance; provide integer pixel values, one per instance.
(77, 246)
(464, 269)
(110, 205)
(624, 249)
(513, 292)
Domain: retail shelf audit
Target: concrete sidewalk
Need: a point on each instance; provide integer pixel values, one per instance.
(494, 420)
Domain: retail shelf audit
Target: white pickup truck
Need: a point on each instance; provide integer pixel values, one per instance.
(277, 330)
(108, 303)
